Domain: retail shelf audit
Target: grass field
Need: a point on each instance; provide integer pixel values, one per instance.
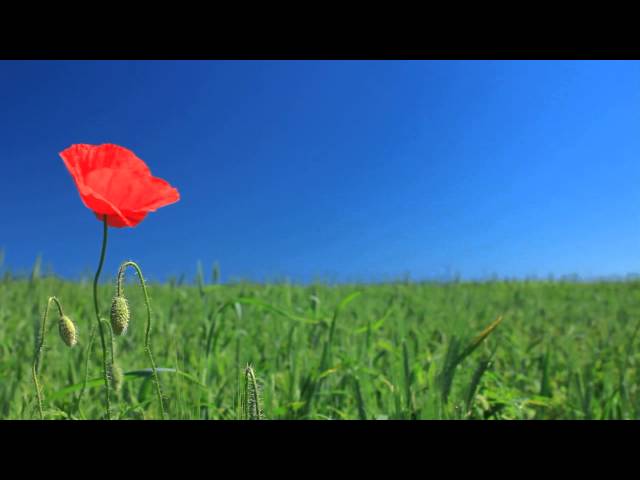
(564, 350)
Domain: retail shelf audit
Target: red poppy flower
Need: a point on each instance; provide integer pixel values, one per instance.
(112, 181)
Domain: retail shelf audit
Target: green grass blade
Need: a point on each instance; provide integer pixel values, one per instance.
(143, 373)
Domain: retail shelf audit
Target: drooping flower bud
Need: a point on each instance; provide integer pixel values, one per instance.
(119, 315)
(67, 331)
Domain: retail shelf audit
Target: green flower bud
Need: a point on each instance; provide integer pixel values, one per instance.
(67, 331)
(119, 315)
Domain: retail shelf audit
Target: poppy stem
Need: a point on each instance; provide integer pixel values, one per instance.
(92, 337)
(95, 302)
(112, 350)
(39, 348)
(147, 335)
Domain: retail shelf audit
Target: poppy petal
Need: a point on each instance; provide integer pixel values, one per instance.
(81, 159)
(116, 221)
(117, 186)
(99, 205)
(159, 194)
(131, 192)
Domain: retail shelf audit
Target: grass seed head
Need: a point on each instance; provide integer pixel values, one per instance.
(119, 315)
(253, 398)
(68, 331)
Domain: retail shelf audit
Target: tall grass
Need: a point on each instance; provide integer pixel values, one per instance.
(498, 350)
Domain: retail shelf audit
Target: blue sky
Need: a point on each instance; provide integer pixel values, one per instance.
(342, 171)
